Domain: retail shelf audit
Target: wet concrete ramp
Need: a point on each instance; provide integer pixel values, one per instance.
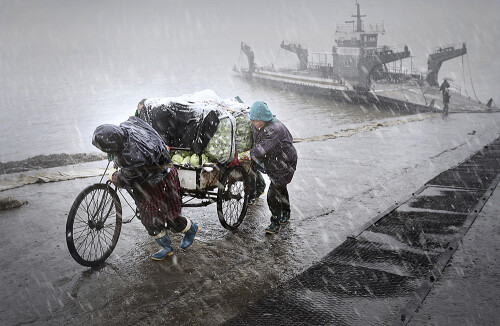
(382, 274)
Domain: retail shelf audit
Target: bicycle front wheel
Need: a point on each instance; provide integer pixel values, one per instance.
(94, 224)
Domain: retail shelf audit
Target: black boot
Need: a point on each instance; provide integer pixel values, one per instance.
(274, 227)
(285, 217)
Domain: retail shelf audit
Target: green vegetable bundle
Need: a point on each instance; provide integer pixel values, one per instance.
(243, 132)
(188, 158)
(221, 147)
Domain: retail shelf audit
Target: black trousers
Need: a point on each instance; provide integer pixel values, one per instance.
(257, 184)
(445, 109)
(278, 201)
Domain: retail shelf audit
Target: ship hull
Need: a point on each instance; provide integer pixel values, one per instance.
(336, 93)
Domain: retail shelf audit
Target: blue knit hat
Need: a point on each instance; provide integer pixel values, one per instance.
(260, 111)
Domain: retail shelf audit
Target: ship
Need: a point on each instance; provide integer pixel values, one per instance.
(359, 70)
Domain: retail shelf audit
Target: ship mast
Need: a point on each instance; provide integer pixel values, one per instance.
(359, 26)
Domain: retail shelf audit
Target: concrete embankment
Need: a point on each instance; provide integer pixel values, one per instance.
(43, 169)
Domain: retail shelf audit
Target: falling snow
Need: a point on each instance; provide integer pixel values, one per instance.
(68, 67)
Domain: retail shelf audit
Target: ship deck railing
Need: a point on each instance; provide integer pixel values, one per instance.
(297, 44)
(289, 68)
(387, 49)
(311, 72)
(455, 87)
(448, 47)
(402, 70)
(348, 28)
(351, 28)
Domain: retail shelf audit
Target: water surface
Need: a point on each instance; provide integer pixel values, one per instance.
(69, 66)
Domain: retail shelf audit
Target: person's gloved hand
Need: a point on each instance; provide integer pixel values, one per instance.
(245, 156)
(111, 174)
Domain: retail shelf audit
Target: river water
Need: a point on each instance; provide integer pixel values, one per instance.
(68, 66)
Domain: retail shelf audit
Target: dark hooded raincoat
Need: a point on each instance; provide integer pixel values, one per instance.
(273, 146)
(142, 155)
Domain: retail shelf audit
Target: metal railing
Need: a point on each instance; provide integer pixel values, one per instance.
(402, 70)
(351, 28)
(297, 44)
(448, 47)
(388, 49)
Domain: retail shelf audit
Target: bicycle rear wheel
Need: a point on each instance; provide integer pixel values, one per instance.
(232, 197)
(94, 224)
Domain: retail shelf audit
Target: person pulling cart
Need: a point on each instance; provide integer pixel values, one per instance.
(143, 158)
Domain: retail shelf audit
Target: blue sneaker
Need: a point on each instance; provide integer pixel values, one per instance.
(189, 236)
(166, 248)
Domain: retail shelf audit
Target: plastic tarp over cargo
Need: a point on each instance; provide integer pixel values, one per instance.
(201, 122)
(137, 148)
(181, 122)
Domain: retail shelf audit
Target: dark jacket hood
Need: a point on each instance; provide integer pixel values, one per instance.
(109, 138)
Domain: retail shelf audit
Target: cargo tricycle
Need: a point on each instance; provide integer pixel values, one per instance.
(95, 218)
(200, 123)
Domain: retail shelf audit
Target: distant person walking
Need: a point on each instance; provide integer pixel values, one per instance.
(274, 149)
(445, 89)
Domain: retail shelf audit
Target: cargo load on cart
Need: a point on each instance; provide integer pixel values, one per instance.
(202, 127)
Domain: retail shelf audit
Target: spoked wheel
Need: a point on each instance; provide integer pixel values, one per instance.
(94, 224)
(232, 197)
